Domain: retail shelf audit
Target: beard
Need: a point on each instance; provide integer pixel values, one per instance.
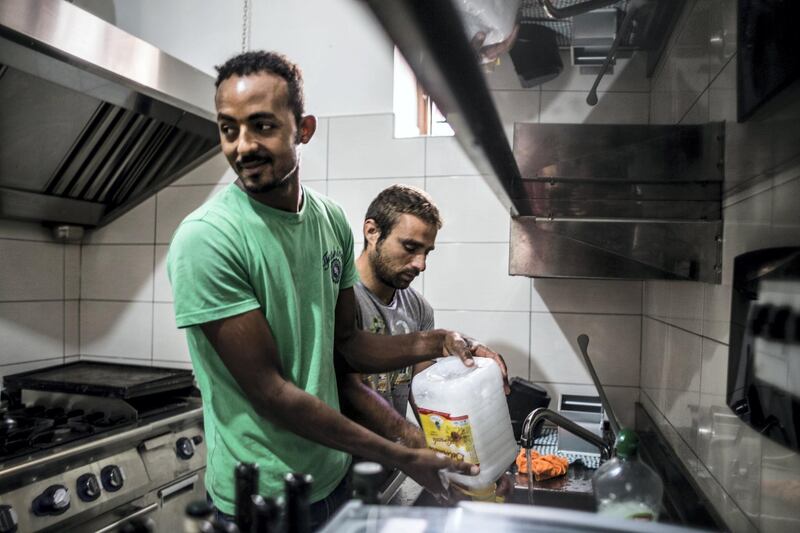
(269, 179)
(258, 186)
(386, 274)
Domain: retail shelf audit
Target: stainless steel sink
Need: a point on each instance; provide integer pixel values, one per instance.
(576, 501)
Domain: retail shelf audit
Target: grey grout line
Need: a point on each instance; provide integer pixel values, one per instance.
(573, 383)
(122, 243)
(641, 333)
(153, 288)
(530, 328)
(327, 154)
(56, 358)
(113, 300)
(548, 313)
(17, 239)
(685, 330)
(49, 300)
(64, 303)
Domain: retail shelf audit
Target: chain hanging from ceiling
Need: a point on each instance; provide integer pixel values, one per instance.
(245, 25)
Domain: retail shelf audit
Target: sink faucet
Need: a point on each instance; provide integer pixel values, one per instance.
(538, 416)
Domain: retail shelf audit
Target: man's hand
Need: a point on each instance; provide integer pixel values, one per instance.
(425, 465)
(466, 348)
(412, 437)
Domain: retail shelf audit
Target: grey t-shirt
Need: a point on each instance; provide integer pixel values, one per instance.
(408, 312)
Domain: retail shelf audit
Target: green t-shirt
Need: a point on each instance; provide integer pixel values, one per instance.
(232, 255)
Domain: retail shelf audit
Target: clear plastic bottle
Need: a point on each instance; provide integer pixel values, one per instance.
(625, 487)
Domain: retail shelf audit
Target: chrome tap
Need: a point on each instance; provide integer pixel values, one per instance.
(538, 416)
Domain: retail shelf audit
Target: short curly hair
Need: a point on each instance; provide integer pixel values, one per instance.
(398, 200)
(254, 62)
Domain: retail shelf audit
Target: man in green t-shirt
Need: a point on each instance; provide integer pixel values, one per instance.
(262, 278)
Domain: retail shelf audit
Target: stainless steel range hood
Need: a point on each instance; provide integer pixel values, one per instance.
(625, 202)
(619, 201)
(92, 120)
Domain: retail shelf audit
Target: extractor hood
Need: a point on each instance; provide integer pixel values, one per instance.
(92, 120)
(612, 201)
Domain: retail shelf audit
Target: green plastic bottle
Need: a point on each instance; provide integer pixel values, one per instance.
(625, 487)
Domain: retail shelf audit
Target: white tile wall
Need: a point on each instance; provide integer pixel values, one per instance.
(471, 212)
(117, 272)
(445, 157)
(355, 196)
(136, 226)
(174, 203)
(614, 347)
(31, 271)
(36, 275)
(31, 331)
(685, 335)
(714, 372)
(503, 76)
(12, 229)
(507, 333)
(717, 312)
(169, 343)
(72, 328)
(629, 75)
(162, 290)
(72, 272)
(516, 106)
(117, 360)
(622, 399)
(314, 155)
(117, 329)
(586, 296)
(215, 171)
(474, 277)
(363, 147)
(611, 108)
(684, 306)
(785, 230)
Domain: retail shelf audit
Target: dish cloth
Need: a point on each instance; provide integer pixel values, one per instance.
(543, 466)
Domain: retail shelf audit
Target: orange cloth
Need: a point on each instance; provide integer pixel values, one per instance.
(544, 466)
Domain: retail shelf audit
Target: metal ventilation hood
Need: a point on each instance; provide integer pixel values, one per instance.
(613, 201)
(619, 201)
(92, 120)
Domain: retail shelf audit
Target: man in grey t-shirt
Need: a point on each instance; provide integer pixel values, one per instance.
(400, 229)
(407, 312)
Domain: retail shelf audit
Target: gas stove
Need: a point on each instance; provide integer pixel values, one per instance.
(83, 462)
(27, 430)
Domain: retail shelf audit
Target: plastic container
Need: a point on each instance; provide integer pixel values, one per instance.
(625, 487)
(463, 413)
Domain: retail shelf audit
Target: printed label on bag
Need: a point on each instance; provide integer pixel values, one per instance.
(451, 435)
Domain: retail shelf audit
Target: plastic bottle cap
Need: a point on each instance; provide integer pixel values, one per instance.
(627, 443)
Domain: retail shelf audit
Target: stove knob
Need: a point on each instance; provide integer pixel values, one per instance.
(8, 519)
(88, 487)
(53, 501)
(197, 439)
(184, 448)
(112, 478)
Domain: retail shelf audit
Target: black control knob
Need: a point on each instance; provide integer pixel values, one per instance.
(53, 501)
(184, 448)
(8, 519)
(112, 478)
(197, 439)
(88, 488)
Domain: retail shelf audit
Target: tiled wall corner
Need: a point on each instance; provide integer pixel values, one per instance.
(684, 369)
